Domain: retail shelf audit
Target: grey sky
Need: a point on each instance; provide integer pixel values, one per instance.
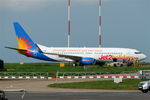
(125, 23)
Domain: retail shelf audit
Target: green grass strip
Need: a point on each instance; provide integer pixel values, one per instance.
(128, 84)
(52, 67)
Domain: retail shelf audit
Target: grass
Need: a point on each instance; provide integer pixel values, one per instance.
(127, 84)
(105, 84)
(51, 67)
(145, 63)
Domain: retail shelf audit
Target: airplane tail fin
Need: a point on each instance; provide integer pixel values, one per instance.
(24, 41)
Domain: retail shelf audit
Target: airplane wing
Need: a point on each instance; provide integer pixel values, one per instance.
(76, 58)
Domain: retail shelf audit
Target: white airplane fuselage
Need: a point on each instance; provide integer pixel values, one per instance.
(99, 54)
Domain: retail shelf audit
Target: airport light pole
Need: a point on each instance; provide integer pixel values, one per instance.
(68, 23)
(100, 23)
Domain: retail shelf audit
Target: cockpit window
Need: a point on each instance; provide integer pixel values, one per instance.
(138, 52)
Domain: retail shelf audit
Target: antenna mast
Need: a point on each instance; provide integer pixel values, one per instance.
(68, 23)
(100, 23)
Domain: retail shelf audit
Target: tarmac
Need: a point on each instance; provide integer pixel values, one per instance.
(39, 90)
(42, 85)
(82, 96)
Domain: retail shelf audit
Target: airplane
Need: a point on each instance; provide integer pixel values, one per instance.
(75, 55)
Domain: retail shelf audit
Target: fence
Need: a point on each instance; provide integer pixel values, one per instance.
(65, 75)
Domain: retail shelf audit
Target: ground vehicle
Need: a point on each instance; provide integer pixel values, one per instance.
(144, 74)
(144, 86)
(116, 64)
(2, 95)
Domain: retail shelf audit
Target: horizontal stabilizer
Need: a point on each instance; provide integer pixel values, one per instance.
(16, 49)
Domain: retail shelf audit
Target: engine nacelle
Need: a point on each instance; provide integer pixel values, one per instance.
(87, 61)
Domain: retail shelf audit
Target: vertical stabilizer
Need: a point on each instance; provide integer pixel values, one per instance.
(24, 41)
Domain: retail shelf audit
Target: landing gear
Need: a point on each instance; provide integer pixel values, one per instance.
(129, 64)
(100, 63)
(114, 59)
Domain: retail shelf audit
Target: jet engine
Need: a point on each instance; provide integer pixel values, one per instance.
(87, 61)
